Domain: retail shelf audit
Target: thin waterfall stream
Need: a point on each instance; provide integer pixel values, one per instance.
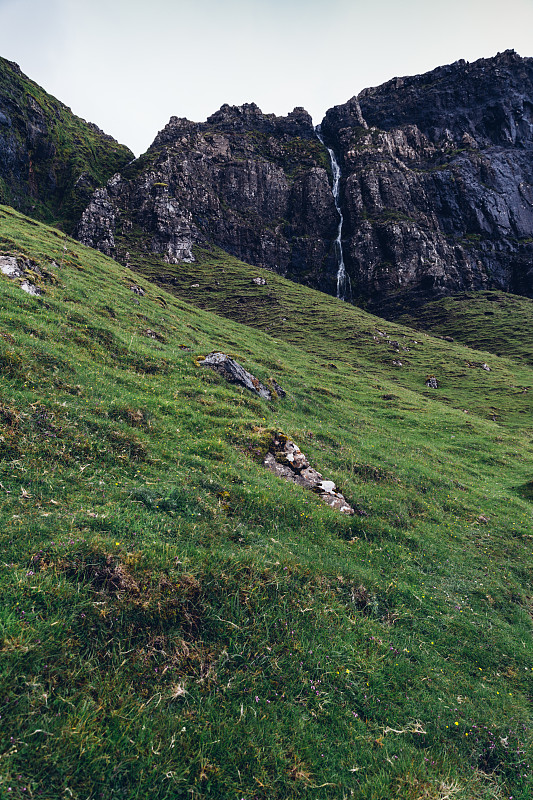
(344, 288)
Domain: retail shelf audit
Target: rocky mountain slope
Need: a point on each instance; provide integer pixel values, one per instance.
(436, 189)
(50, 160)
(253, 184)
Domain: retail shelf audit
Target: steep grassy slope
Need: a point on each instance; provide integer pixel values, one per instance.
(177, 622)
(490, 321)
(344, 333)
(50, 160)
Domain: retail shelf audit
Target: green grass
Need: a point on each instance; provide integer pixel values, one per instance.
(339, 333)
(178, 622)
(495, 322)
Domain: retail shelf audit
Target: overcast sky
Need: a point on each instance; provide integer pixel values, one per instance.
(128, 65)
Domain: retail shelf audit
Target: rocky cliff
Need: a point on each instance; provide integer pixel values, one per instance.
(253, 184)
(50, 160)
(437, 191)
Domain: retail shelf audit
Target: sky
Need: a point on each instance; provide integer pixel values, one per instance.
(129, 65)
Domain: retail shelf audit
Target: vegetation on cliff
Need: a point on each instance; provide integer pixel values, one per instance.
(51, 161)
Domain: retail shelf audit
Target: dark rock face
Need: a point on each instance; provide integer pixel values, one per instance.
(50, 160)
(437, 191)
(253, 184)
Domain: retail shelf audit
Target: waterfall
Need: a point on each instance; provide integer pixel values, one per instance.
(344, 289)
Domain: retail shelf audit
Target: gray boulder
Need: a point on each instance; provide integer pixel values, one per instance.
(234, 372)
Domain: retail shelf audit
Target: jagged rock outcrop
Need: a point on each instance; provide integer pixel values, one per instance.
(286, 460)
(437, 183)
(51, 161)
(234, 372)
(27, 274)
(253, 184)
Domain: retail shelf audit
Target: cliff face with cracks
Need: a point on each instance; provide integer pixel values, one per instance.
(253, 184)
(436, 189)
(437, 181)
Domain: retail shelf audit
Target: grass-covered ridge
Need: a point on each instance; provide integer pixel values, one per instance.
(177, 622)
(496, 322)
(50, 160)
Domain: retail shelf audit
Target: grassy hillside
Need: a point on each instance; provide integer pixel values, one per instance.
(332, 330)
(495, 322)
(50, 160)
(178, 622)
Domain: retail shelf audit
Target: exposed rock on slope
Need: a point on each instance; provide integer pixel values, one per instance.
(253, 184)
(25, 273)
(235, 373)
(286, 460)
(50, 160)
(437, 192)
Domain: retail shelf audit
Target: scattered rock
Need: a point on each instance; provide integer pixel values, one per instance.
(153, 335)
(195, 285)
(483, 519)
(259, 281)
(18, 269)
(477, 365)
(10, 267)
(137, 290)
(448, 338)
(30, 288)
(397, 363)
(235, 373)
(431, 382)
(277, 388)
(286, 460)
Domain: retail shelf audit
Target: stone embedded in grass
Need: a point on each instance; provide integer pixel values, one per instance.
(476, 364)
(11, 268)
(259, 281)
(277, 388)
(431, 382)
(286, 460)
(30, 288)
(235, 373)
(150, 334)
